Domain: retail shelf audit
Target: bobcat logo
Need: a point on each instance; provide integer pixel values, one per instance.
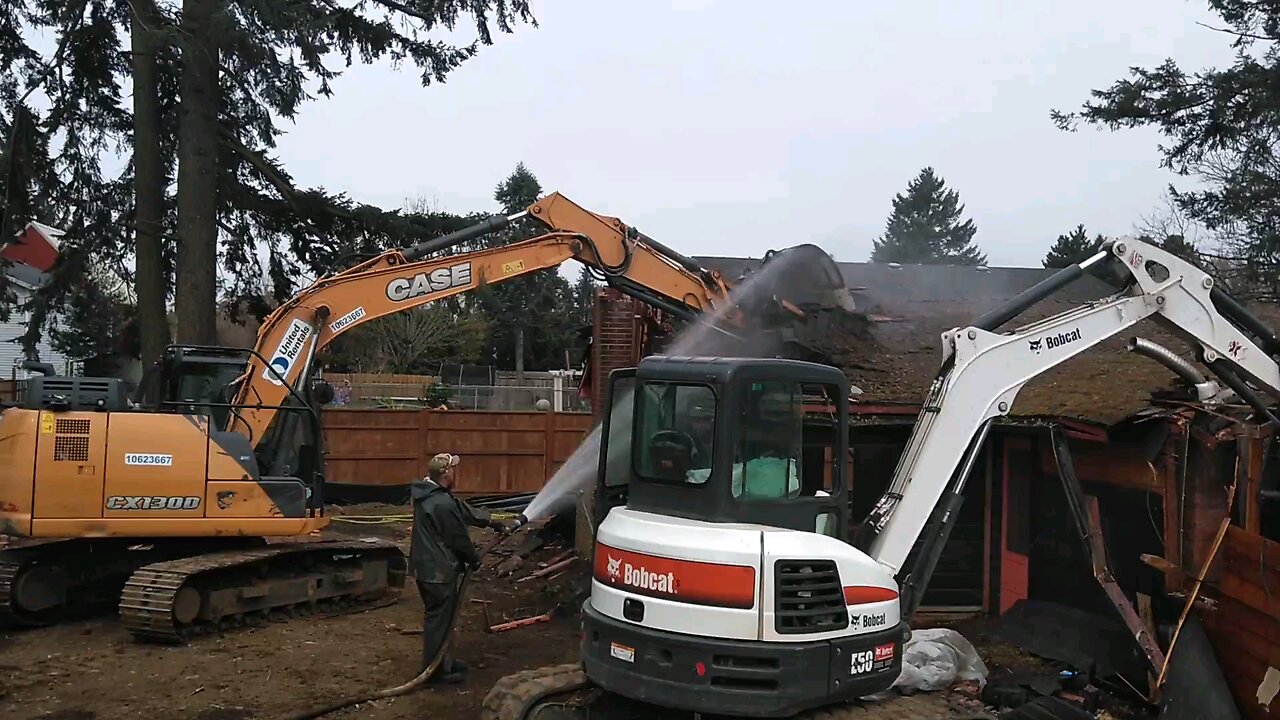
(1035, 345)
(615, 568)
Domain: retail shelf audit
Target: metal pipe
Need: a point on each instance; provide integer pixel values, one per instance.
(444, 242)
(993, 319)
(1230, 307)
(1205, 388)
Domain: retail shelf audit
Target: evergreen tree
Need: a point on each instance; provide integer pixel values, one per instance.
(1072, 248)
(584, 295)
(250, 64)
(534, 311)
(1220, 124)
(925, 227)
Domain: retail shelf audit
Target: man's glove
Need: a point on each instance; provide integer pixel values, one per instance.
(506, 527)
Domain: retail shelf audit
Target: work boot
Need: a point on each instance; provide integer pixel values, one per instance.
(452, 674)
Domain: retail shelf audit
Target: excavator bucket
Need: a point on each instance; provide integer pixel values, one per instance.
(796, 305)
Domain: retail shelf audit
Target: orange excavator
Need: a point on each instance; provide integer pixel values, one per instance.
(162, 504)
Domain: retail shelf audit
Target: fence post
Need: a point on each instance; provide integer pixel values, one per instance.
(424, 449)
(548, 443)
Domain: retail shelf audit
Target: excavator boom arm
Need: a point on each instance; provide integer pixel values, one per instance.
(982, 372)
(400, 280)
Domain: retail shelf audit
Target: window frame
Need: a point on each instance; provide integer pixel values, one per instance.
(637, 428)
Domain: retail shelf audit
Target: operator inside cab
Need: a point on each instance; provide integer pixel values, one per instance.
(765, 460)
(765, 464)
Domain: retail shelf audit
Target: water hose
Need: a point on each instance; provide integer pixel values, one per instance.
(425, 675)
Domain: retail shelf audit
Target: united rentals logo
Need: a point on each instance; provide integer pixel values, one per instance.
(1053, 341)
(423, 283)
(287, 352)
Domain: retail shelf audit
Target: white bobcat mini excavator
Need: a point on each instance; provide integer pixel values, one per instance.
(726, 578)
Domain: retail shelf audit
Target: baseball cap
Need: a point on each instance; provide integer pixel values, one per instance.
(441, 462)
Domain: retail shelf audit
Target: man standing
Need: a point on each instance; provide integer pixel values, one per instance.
(440, 548)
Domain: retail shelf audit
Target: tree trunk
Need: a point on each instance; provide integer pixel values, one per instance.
(520, 355)
(195, 296)
(149, 183)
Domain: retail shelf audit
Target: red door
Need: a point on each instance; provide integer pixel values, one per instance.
(1019, 470)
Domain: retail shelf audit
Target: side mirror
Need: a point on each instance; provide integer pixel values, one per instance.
(322, 392)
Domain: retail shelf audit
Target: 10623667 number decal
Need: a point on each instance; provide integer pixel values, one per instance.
(148, 459)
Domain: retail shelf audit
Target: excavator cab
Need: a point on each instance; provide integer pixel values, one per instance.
(723, 580)
(728, 440)
(196, 380)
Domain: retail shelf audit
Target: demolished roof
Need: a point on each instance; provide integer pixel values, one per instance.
(910, 306)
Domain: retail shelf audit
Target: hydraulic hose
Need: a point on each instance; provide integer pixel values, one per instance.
(1205, 389)
(1168, 358)
(422, 677)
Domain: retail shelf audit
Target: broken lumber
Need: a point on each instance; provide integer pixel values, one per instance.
(562, 556)
(547, 570)
(522, 622)
(513, 563)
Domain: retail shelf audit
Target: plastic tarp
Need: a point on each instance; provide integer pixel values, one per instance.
(934, 659)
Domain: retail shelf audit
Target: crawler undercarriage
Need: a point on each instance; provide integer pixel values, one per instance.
(169, 590)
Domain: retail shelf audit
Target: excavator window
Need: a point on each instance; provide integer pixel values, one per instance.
(676, 432)
(617, 472)
(767, 461)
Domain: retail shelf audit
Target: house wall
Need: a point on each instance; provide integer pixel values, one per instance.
(11, 351)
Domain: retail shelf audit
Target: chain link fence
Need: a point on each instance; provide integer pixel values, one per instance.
(462, 397)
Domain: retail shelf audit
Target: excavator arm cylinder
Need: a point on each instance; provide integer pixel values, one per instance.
(490, 224)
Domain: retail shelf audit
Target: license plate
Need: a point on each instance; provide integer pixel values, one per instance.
(622, 652)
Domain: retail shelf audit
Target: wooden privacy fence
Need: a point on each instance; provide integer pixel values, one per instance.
(502, 452)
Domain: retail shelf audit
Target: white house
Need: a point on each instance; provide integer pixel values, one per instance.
(32, 252)
(24, 280)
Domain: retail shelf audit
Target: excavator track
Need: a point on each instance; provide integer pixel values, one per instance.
(51, 581)
(171, 602)
(563, 692)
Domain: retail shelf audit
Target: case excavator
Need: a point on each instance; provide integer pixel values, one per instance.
(162, 504)
(727, 577)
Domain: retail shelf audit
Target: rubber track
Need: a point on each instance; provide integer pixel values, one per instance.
(12, 562)
(515, 696)
(8, 574)
(512, 697)
(146, 603)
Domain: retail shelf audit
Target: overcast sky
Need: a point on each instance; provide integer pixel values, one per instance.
(732, 127)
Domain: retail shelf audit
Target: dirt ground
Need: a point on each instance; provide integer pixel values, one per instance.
(92, 670)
